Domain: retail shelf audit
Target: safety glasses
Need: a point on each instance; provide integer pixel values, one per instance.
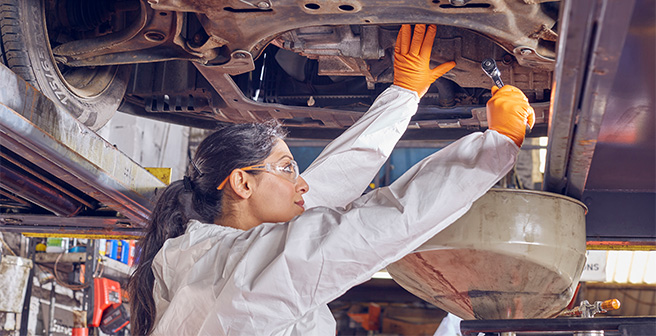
(287, 170)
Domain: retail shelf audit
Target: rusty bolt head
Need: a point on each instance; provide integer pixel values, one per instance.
(198, 38)
(525, 51)
(240, 55)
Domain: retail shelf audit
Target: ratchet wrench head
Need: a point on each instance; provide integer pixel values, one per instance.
(490, 68)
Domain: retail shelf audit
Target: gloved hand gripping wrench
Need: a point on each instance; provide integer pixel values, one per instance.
(490, 68)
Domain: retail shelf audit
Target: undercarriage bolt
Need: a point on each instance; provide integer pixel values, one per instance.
(154, 36)
(459, 3)
(507, 59)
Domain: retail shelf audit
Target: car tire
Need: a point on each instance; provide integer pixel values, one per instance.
(91, 94)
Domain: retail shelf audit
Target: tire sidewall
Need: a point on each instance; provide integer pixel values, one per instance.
(93, 111)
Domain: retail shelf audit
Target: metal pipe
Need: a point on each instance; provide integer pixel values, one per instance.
(473, 327)
(446, 90)
(51, 316)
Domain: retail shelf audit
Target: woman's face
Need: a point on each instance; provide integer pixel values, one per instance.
(276, 198)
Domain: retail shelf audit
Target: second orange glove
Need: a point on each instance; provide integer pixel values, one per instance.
(412, 59)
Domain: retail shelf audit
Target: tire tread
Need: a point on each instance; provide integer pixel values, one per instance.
(12, 44)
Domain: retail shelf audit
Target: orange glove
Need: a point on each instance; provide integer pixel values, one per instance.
(411, 60)
(508, 112)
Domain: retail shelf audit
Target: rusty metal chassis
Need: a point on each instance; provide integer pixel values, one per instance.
(241, 29)
(225, 40)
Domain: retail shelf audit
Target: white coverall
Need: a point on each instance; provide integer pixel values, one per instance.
(277, 279)
(450, 326)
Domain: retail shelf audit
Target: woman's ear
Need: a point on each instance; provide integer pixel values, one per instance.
(241, 183)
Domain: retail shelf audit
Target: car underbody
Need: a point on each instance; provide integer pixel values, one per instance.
(315, 66)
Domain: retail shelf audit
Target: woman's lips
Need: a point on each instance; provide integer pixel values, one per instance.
(300, 203)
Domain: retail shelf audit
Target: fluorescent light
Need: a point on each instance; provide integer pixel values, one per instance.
(638, 266)
(650, 269)
(610, 265)
(623, 266)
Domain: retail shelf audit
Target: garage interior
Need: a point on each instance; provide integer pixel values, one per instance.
(74, 200)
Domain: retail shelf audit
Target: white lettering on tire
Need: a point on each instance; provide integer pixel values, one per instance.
(52, 79)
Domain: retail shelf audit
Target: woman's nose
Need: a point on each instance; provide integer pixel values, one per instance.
(302, 186)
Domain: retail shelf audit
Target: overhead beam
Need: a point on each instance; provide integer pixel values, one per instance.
(588, 54)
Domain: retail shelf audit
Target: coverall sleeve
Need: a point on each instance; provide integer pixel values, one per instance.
(291, 269)
(344, 169)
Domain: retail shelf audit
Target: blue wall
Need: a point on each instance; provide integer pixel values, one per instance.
(400, 161)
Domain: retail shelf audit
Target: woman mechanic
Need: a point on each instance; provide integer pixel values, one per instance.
(212, 261)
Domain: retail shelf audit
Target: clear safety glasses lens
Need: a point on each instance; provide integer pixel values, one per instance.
(288, 170)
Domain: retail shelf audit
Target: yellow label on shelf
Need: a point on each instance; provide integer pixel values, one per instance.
(77, 235)
(162, 174)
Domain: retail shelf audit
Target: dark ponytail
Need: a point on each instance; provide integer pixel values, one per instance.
(194, 197)
(168, 210)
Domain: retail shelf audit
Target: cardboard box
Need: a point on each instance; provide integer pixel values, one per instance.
(392, 326)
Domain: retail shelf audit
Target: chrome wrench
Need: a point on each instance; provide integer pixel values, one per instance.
(490, 68)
